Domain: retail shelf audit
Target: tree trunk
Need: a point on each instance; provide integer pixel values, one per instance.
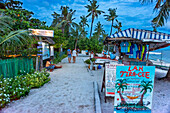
(111, 29)
(141, 100)
(75, 44)
(122, 99)
(62, 30)
(91, 26)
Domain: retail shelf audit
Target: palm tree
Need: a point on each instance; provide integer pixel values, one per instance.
(82, 24)
(120, 86)
(64, 10)
(67, 21)
(76, 33)
(118, 26)
(83, 21)
(9, 38)
(163, 6)
(93, 10)
(112, 15)
(56, 19)
(99, 30)
(145, 86)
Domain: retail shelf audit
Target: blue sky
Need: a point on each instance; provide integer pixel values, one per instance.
(131, 13)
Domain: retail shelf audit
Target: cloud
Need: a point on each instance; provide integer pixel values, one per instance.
(130, 12)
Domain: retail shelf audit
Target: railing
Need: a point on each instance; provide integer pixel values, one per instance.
(10, 67)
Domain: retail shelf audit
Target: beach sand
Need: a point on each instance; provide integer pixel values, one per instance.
(71, 91)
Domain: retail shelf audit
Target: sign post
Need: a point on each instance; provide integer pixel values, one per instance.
(134, 89)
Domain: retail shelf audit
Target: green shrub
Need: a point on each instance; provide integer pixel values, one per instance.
(14, 88)
(87, 61)
(93, 59)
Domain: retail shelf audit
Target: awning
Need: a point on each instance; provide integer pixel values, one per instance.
(143, 35)
(156, 40)
(49, 40)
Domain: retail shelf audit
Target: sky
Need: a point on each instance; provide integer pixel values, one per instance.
(131, 13)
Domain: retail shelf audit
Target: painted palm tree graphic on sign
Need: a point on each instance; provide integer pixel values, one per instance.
(120, 86)
(145, 86)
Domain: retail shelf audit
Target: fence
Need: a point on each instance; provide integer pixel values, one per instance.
(10, 67)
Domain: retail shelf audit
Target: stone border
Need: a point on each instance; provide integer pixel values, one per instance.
(96, 98)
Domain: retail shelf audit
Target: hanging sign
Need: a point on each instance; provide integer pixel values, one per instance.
(45, 51)
(110, 78)
(41, 32)
(134, 89)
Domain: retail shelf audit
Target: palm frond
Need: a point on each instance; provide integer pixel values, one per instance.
(19, 37)
(4, 23)
(162, 16)
(145, 1)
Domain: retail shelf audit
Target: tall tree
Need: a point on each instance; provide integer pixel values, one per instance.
(67, 20)
(93, 11)
(118, 26)
(112, 15)
(163, 6)
(82, 24)
(83, 21)
(10, 4)
(56, 19)
(99, 30)
(76, 33)
(64, 12)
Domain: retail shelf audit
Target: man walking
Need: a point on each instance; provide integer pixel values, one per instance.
(74, 54)
(69, 55)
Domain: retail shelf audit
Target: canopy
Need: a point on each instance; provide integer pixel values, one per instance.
(144, 35)
(155, 39)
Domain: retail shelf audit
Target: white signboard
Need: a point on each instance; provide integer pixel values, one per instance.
(51, 51)
(110, 78)
(40, 32)
(46, 51)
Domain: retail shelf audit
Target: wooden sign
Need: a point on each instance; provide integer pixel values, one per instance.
(134, 89)
(41, 32)
(110, 78)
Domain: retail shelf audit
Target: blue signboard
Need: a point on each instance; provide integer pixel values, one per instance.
(134, 89)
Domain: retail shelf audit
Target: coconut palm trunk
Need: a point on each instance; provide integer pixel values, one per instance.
(141, 99)
(122, 99)
(91, 26)
(111, 28)
(76, 44)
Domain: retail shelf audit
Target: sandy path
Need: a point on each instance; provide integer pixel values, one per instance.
(69, 91)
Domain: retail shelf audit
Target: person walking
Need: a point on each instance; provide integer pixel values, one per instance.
(69, 55)
(74, 54)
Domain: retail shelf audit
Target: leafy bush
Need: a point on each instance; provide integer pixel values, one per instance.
(93, 59)
(14, 88)
(87, 61)
(58, 58)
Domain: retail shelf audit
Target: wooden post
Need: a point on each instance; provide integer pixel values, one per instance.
(41, 57)
(148, 53)
(36, 63)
